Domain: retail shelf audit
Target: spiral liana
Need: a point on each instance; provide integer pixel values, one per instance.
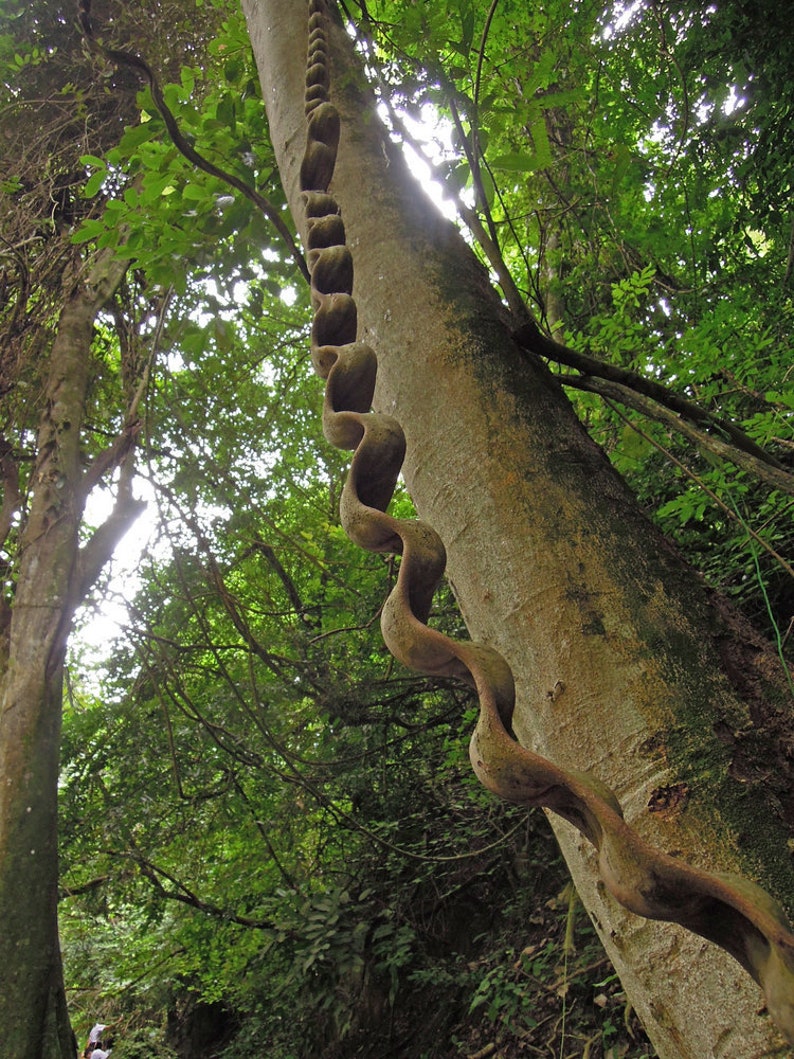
(732, 912)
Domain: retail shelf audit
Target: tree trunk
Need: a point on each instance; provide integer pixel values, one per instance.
(34, 1022)
(625, 664)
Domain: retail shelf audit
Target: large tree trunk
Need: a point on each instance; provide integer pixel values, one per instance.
(50, 582)
(625, 664)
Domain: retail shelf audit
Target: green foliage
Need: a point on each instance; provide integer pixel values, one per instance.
(140, 1044)
(553, 989)
(162, 212)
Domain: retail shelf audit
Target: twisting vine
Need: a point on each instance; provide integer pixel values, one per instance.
(734, 913)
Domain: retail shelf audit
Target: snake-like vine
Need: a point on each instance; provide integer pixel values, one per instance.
(732, 912)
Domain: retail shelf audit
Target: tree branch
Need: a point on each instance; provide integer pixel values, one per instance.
(530, 338)
(731, 514)
(181, 893)
(777, 479)
(12, 498)
(98, 550)
(269, 553)
(137, 63)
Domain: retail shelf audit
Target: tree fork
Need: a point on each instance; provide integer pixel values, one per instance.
(623, 659)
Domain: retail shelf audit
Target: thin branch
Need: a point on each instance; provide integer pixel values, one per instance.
(182, 894)
(83, 888)
(134, 61)
(772, 476)
(474, 164)
(709, 492)
(474, 161)
(489, 246)
(283, 872)
(269, 553)
(530, 338)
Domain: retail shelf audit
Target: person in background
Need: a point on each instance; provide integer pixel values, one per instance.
(94, 1040)
(103, 1050)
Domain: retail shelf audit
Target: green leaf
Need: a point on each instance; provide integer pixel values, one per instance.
(195, 192)
(88, 230)
(225, 111)
(514, 162)
(94, 184)
(232, 71)
(139, 134)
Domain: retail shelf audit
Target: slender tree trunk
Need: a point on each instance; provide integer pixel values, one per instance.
(625, 664)
(34, 1022)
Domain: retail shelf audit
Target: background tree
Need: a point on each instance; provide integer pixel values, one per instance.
(72, 381)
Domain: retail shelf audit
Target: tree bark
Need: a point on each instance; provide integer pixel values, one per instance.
(626, 665)
(49, 586)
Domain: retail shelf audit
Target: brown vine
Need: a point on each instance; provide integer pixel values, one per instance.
(732, 912)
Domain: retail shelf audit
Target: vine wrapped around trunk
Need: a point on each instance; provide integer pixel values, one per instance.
(732, 912)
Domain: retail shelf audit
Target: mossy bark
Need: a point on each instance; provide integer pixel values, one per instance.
(33, 1015)
(620, 653)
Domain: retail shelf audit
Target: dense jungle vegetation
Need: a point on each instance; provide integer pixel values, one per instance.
(270, 838)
